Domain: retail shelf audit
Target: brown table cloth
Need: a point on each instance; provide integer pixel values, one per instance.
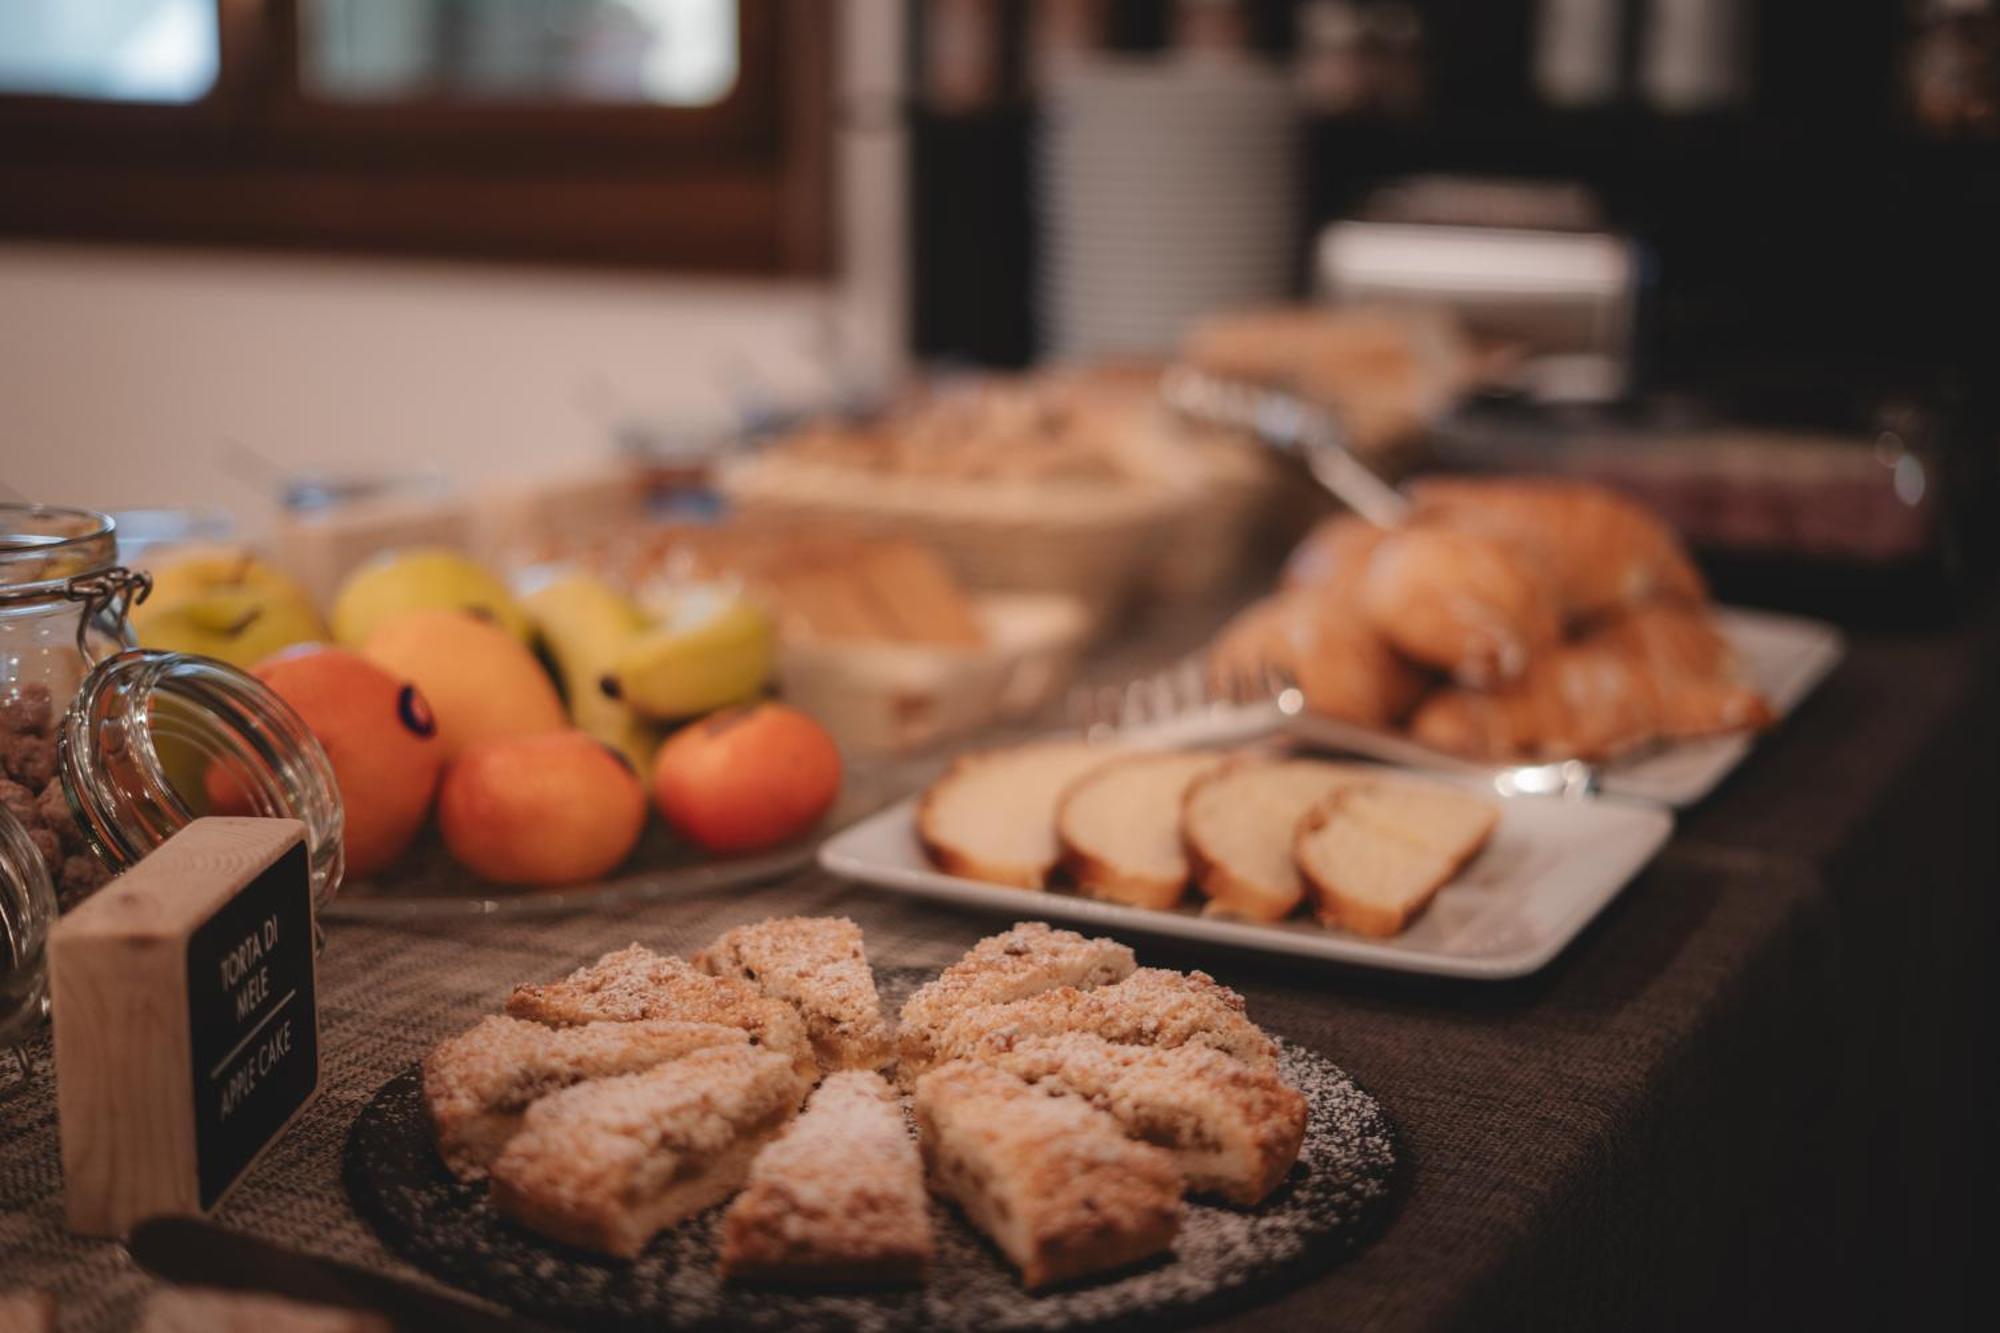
(1755, 1090)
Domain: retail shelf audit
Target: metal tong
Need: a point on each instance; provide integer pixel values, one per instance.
(1291, 424)
(1186, 704)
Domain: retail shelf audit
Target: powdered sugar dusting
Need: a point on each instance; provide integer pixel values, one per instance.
(1336, 1198)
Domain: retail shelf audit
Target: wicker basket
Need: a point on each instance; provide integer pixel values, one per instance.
(1093, 542)
(1232, 495)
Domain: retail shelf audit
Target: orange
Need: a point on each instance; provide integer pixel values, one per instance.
(377, 732)
(554, 808)
(480, 681)
(747, 778)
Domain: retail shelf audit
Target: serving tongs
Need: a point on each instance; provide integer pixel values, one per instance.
(1187, 704)
(1291, 425)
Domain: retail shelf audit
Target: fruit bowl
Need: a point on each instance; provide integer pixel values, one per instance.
(428, 883)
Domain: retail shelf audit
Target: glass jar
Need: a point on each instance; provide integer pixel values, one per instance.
(108, 759)
(53, 563)
(154, 740)
(27, 906)
(57, 568)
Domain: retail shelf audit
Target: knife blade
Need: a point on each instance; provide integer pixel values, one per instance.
(195, 1252)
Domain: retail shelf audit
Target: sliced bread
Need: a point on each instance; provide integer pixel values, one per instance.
(1120, 826)
(993, 816)
(1238, 825)
(1375, 855)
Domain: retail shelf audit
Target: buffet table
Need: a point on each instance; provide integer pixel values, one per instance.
(1750, 1086)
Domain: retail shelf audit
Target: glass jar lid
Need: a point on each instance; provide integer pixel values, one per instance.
(155, 740)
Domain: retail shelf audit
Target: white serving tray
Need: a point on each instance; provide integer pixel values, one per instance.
(1550, 867)
(1786, 657)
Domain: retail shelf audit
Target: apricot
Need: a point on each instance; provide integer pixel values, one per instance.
(481, 682)
(554, 808)
(747, 778)
(378, 734)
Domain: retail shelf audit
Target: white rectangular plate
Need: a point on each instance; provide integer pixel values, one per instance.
(1785, 657)
(1551, 866)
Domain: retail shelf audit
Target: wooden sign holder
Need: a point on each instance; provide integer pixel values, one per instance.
(186, 1021)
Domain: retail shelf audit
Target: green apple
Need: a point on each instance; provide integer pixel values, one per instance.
(225, 604)
(422, 579)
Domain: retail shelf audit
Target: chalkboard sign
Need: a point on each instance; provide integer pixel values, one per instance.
(186, 1021)
(250, 1002)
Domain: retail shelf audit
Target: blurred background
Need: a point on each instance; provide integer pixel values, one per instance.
(1734, 253)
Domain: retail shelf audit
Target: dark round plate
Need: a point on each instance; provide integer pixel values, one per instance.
(1337, 1198)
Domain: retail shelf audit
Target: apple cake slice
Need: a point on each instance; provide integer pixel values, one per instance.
(608, 1165)
(1050, 1179)
(1030, 958)
(819, 966)
(480, 1083)
(635, 983)
(839, 1197)
(1152, 1007)
(1233, 1130)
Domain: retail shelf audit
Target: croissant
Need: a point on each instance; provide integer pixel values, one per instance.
(1341, 665)
(1477, 607)
(1333, 557)
(1602, 550)
(1658, 671)
(1700, 688)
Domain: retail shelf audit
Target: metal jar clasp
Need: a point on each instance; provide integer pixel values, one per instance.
(108, 595)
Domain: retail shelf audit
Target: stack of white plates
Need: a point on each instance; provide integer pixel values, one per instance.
(1166, 190)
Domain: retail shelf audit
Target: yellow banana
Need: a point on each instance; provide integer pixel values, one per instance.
(711, 649)
(586, 625)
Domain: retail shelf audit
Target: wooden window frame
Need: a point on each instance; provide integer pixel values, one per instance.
(741, 186)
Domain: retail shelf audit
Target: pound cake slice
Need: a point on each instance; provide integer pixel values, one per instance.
(992, 817)
(608, 1165)
(1120, 827)
(838, 1198)
(1376, 855)
(635, 983)
(1051, 1180)
(1030, 958)
(1232, 1130)
(1238, 825)
(1152, 1007)
(480, 1083)
(819, 966)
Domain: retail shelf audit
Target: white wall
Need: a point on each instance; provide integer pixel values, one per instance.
(124, 373)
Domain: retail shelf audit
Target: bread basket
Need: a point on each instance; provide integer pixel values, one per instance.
(1086, 540)
(892, 698)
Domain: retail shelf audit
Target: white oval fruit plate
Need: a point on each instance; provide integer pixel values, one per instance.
(1551, 865)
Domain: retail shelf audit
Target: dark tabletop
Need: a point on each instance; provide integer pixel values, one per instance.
(1756, 1090)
